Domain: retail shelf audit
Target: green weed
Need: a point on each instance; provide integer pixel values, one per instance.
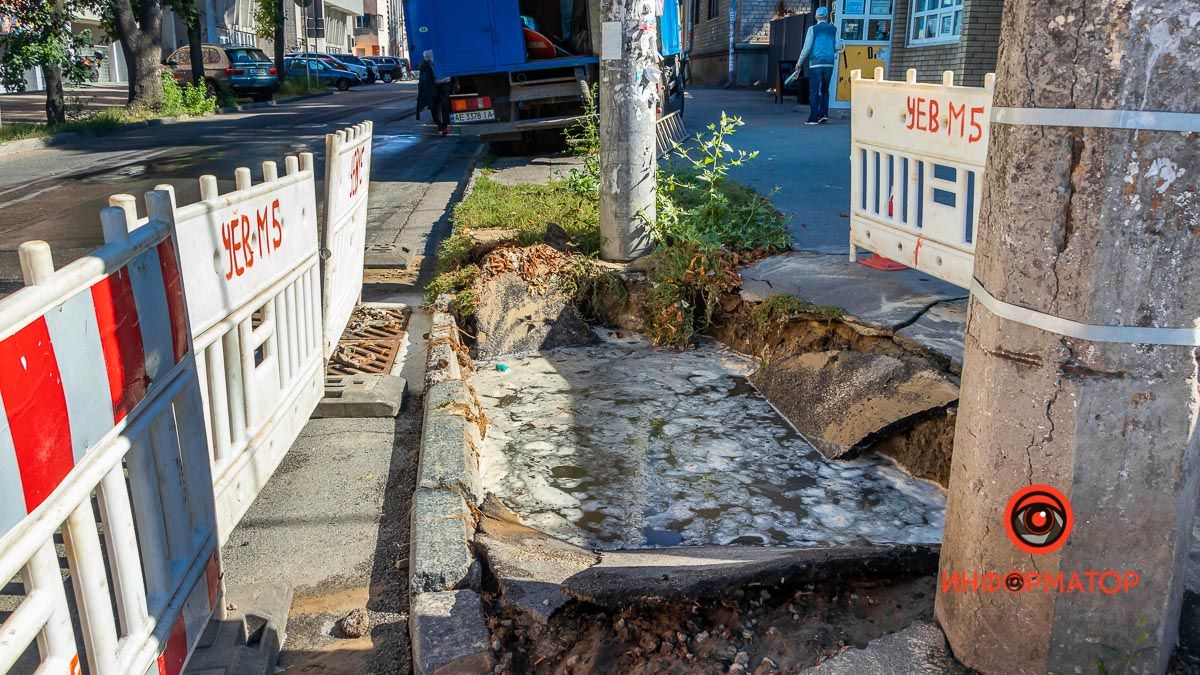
(782, 308)
(186, 99)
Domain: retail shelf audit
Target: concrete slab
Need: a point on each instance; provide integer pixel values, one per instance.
(940, 330)
(840, 400)
(919, 649)
(248, 640)
(449, 634)
(537, 169)
(886, 301)
(332, 523)
(683, 572)
(358, 396)
(530, 566)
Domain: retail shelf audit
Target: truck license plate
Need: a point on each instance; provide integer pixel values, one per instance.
(473, 116)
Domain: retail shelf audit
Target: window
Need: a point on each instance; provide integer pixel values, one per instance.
(713, 9)
(695, 12)
(935, 21)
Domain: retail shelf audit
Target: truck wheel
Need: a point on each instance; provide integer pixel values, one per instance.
(342, 84)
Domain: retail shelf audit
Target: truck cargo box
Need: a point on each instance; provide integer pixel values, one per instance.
(474, 37)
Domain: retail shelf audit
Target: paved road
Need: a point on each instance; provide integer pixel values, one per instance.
(56, 194)
(31, 106)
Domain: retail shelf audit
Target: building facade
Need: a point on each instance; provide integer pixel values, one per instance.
(714, 26)
(937, 35)
(322, 26)
(372, 29)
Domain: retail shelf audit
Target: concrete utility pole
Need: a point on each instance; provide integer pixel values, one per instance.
(1095, 219)
(629, 73)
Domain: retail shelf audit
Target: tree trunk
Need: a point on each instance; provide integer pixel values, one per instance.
(1098, 226)
(141, 41)
(56, 109)
(195, 35)
(280, 40)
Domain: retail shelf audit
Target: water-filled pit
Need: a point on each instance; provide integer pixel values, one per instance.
(622, 445)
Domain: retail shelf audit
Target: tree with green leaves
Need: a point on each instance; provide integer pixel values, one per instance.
(268, 24)
(42, 37)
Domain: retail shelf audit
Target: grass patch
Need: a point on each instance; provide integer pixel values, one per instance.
(528, 209)
(782, 308)
(707, 226)
(187, 99)
(299, 86)
(98, 123)
(450, 281)
(21, 130)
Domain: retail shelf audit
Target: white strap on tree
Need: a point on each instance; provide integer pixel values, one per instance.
(1185, 337)
(1139, 120)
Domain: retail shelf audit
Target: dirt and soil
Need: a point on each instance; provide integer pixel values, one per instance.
(778, 629)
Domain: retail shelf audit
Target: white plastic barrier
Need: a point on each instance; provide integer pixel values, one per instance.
(102, 439)
(917, 158)
(343, 239)
(251, 267)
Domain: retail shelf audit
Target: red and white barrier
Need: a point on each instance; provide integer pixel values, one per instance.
(343, 239)
(148, 392)
(917, 156)
(251, 267)
(100, 400)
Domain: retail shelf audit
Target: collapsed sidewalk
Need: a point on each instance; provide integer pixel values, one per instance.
(555, 463)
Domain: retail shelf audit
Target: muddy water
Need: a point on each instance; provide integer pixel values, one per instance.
(623, 445)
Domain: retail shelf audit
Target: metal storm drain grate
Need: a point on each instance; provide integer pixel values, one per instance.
(371, 341)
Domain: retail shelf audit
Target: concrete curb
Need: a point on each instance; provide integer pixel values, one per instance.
(27, 144)
(449, 634)
(269, 104)
(446, 619)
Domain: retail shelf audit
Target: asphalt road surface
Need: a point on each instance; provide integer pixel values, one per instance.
(55, 194)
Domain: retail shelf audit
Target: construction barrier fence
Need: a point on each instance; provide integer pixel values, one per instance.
(103, 448)
(917, 157)
(347, 179)
(148, 391)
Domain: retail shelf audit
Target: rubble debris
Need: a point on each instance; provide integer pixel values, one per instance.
(840, 400)
(355, 624)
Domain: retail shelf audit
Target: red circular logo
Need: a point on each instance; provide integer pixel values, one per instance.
(1038, 519)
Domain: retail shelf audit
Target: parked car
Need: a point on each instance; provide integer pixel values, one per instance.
(352, 60)
(390, 67)
(241, 71)
(321, 71)
(360, 71)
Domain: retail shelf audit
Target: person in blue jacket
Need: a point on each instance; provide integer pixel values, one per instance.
(819, 52)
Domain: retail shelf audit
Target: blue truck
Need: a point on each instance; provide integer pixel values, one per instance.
(521, 69)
